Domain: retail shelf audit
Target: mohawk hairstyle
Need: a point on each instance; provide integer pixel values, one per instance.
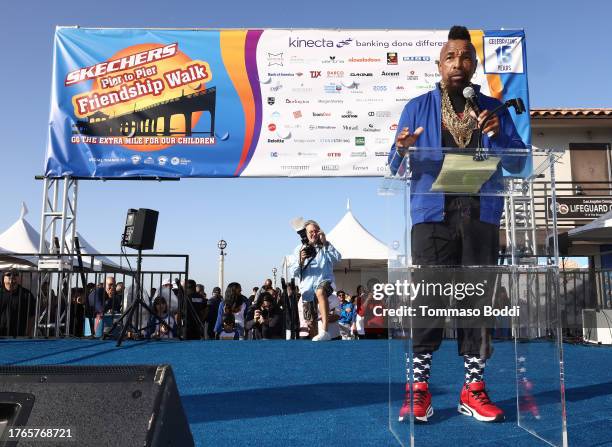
(459, 33)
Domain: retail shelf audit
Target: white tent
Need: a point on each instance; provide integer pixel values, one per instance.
(22, 239)
(355, 243)
(364, 257)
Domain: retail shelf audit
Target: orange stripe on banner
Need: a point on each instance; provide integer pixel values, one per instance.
(495, 84)
(232, 51)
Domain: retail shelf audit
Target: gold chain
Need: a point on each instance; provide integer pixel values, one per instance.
(460, 128)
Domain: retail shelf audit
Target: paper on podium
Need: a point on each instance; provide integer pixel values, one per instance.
(460, 173)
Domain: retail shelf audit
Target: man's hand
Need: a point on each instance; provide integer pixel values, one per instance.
(303, 256)
(405, 139)
(491, 129)
(322, 238)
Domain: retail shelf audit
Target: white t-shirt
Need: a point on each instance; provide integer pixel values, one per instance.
(227, 335)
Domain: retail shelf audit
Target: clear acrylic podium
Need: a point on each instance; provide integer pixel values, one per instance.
(517, 298)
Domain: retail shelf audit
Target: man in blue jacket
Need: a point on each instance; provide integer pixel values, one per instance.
(315, 271)
(452, 230)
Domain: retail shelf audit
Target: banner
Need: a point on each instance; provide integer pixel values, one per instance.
(250, 103)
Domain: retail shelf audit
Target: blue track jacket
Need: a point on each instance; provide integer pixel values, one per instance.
(425, 111)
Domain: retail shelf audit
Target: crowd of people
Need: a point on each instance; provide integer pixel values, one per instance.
(184, 309)
(267, 313)
(277, 313)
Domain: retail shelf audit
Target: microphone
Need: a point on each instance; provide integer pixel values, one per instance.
(470, 95)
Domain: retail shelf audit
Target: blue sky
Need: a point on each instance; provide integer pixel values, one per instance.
(569, 66)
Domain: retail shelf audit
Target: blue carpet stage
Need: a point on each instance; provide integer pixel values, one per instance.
(332, 394)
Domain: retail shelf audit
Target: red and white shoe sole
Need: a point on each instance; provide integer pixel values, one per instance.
(428, 414)
(469, 411)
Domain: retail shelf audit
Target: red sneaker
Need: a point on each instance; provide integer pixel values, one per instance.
(422, 402)
(475, 402)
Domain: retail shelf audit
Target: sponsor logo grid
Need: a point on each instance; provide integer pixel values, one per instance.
(341, 94)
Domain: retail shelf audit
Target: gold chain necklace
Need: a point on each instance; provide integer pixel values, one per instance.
(460, 128)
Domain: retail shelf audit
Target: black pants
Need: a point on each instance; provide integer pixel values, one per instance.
(460, 240)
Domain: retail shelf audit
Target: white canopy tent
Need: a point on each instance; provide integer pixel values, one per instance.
(364, 257)
(20, 242)
(20, 237)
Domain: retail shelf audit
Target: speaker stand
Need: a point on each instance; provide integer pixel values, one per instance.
(129, 312)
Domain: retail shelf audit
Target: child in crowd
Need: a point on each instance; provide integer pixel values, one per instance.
(229, 332)
(157, 329)
(347, 316)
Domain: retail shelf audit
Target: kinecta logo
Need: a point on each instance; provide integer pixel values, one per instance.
(349, 114)
(317, 43)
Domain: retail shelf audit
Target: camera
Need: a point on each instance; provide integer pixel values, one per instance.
(300, 228)
(309, 249)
